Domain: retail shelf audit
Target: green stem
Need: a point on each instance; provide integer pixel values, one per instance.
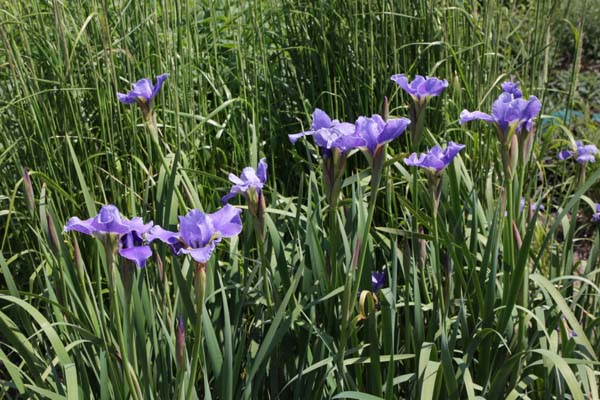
(197, 351)
(110, 246)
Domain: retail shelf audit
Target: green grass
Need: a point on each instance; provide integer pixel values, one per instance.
(470, 309)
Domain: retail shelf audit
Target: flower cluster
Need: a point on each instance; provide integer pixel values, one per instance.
(199, 232)
(367, 134)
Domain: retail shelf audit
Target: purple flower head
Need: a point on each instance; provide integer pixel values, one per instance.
(378, 281)
(143, 91)
(596, 216)
(509, 111)
(250, 182)
(329, 134)
(199, 233)
(421, 89)
(512, 88)
(110, 222)
(584, 153)
(375, 132)
(435, 159)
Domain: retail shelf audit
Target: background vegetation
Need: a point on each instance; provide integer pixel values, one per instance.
(242, 76)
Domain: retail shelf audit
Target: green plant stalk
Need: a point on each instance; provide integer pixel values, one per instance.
(110, 247)
(260, 235)
(362, 244)
(197, 350)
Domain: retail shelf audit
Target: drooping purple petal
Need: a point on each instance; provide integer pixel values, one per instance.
(129, 98)
(293, 137)
(466, 116)
(201, 254)
(137, 254)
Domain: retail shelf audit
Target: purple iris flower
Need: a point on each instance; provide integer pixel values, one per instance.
(375, 132)
(110, 222)
(199, 233)
(378, 280)
(435, 159)
(596, 216)
(329, 134)
(250, 182)
(143, 91)
(421, 88)
(509, 111)
(584, 153)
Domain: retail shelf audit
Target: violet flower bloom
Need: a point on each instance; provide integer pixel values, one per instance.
(584, 153)
(421, 88)
(329, 134)
(435, 159)
(378, 281)
(110, 222)
(596, 216)
(250, 182)
(143, 91)
(509, 111)
(375, 132)
(199, 233)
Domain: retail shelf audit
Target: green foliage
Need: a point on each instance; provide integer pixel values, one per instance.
(477, 304)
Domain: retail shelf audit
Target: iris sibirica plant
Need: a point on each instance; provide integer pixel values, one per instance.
(596, 216)
(421, 89)
(143, 92)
